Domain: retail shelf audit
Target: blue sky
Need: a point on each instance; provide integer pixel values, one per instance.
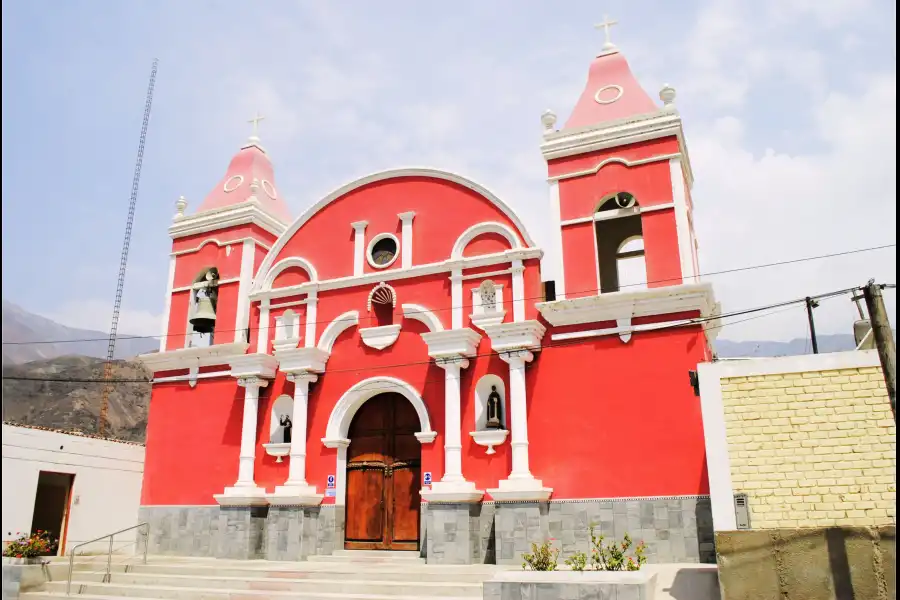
(789, 110)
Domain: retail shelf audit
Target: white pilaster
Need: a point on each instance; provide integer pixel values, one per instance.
(406, 250)
(521, 484)
(359, 246)
(555, 258)
(245, 492)
(682, 223)
(456, 298)
(262, 339)
(312, 302)
(167, 312)
(452, 487)
(246, 280)
(296, 491)
(518, 290)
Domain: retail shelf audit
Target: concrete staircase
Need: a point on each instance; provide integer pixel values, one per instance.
(345, 575)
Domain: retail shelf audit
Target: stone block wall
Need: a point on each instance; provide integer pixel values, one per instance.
(815, 448)
(458, 534)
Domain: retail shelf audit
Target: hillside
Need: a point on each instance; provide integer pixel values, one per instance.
(20, 325)
(76, 405)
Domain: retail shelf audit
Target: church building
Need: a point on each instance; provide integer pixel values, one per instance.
(401, 367)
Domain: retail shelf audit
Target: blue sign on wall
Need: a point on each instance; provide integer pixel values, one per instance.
(330, 493)
(427, 477)
(331, 481)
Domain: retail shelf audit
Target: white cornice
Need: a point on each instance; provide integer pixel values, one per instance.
(186, 358)
(626, 305)
(297, 360)
(651, 126)
(451, 343)
(254, 365)
(215, 241)
(446, 266)
(249, 212)
(518, 335)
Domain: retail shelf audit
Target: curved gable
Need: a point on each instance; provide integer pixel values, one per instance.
(446, 208)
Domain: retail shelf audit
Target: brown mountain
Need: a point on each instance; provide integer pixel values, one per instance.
(75, 404)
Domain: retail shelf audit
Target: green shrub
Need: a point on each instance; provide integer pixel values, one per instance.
(542, 558)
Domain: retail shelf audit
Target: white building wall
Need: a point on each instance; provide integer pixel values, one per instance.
(106, 490)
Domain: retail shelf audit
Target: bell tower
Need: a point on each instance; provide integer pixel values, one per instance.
(217, 250)
(620, 187)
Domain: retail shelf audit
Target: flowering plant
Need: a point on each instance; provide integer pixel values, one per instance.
(40, 543)
(542, 558)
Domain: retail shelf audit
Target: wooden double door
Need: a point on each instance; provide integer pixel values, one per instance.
(383, 476)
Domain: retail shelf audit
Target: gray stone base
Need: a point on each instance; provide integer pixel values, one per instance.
(556, 585)
(458, 534)
(274, 533)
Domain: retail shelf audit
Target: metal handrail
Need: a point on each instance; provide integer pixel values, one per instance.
(106, 577)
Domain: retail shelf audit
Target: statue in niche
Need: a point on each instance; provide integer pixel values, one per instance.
(494, 403)
(286, 425)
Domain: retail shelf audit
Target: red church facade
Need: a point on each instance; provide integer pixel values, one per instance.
(402, 367)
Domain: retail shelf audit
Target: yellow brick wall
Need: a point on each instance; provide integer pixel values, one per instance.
(812, 449)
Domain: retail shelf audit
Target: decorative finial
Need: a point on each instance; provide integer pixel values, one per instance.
(605, 25)
(667, 95)
(180, 206)
(548, 119)
(255, 121)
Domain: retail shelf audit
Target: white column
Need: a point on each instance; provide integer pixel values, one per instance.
(359, 246)
(251, 387)
(297, 468)
(518, 290)
(166, 313)
(246, 279)
(262, 338)
(452, 419)
(456, 299)
(518, 413)
(312, 301)
(406, 252)
(682, 222)
(555, 255)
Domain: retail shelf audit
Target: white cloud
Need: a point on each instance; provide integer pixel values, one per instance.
(96, 315)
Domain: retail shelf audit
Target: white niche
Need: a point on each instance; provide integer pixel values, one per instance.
(277, 446)
(482, 435)
(287, 330)
(487, 304)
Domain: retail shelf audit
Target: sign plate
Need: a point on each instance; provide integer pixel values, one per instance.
(331, 482)
(426, 477)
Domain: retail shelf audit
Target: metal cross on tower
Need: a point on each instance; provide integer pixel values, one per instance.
(255, 121)
(605, 25)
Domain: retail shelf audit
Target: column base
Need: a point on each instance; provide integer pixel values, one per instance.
(452, 491)
(242, 496)
(521, 489)
(301, 494)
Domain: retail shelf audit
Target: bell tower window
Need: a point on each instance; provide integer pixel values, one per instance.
(202, 309)
(620, 244)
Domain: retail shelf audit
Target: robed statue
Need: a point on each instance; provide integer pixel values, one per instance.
(494, 403)
(286, 425)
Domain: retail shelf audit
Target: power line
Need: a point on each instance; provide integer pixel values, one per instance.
(451, 307)
(544, 347)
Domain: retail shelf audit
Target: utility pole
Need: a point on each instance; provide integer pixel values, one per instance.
(810, 305)
(884, 339)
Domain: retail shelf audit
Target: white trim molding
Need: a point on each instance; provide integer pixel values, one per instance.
(621, 160)
(371, 246)
(302, 360)
(629, 304)
(247, 212)
(619, 213)
(474, 231)
(419, 313)
(682, 221)
(340, 324)
(163, 340)
(262, 366)
(406, 248)
(519, 335)
(242, 318)
(718, 461)
(452, 343)
(286, 263)
(220, 243)
(186, 358)
(553, 268)
(359, 247)
(421, 172)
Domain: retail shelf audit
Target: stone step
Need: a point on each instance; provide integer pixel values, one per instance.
(473, 574)
(292, 583)
(91, 591)
(366, 558)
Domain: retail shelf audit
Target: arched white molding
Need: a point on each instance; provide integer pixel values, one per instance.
(381, 286)
(489, 227)
(422, 314)
(338, 426)
(283, 405)
(287, 263)
(392, 174)
(337, 327)
(614, 159)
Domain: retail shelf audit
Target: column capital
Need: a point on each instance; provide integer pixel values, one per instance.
(407, 216)
(452, 362)
(301, 376)
(359, 225)
(517, 358)
(253, 381)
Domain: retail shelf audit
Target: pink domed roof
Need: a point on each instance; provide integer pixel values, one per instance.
(249, 173)
(611, 93)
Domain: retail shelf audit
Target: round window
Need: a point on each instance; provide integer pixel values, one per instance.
(383, 251)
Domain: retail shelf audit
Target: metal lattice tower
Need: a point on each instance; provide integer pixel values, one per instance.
(123, 260)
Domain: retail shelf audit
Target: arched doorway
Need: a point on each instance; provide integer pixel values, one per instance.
(383, 476)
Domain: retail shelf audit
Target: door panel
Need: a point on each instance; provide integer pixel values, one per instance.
(405, 526)
(365, 490)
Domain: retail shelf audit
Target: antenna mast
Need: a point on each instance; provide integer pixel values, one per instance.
(111, 349)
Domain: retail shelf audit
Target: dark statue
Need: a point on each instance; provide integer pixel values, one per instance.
(286, 425)
(493, 409)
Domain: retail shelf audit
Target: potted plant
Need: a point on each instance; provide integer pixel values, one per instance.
(28, 549)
